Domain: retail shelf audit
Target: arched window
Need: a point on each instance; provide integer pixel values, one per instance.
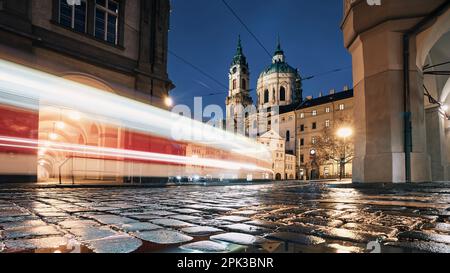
(244, 84)
(282, 94)
(266, 96)
(234, 84)
(288, 136)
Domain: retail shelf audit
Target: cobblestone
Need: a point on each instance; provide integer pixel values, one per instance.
(282, 217)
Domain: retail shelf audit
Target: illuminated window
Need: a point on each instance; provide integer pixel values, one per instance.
(341, 107)
(313, 140)
(314, 113)
(327, 110)
(327, 123)
(302, 115)
(73, 16)
(106, 20)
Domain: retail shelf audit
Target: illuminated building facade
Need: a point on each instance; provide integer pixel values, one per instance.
(112, 45)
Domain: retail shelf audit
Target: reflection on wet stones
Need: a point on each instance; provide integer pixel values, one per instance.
(246, 229)
(163, 237)
(30, 232)
(115, 244)
(171, 223)
(237, 238)
(206, 247)
(296, 238)
(201, 230)
(32, 244)
(92, 233)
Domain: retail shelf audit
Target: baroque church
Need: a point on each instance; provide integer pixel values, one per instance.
(281, 118)
(278, 85)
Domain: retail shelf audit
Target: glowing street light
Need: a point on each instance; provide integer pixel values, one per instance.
(168, 101)
(344, 133)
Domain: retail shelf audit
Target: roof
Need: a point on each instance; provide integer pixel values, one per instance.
(279, 67)
(239, 58)
(317, 101)
(271, 135)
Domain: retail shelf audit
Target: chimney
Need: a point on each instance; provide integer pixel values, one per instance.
(332, 91)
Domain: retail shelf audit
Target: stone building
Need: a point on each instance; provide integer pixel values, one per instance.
(114, 45)
(284, 165)
(400, 52)
(283, 120)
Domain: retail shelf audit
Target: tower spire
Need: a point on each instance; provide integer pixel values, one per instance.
(239, 57)
(239, 46)
(278, 50)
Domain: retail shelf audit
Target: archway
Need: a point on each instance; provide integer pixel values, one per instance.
(70, 127)
(278, 177)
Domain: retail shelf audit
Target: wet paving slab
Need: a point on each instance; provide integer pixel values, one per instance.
(264, 218)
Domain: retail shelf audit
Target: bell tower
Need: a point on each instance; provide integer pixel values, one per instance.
(239, 92)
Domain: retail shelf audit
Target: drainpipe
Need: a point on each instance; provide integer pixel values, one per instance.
(406, 79)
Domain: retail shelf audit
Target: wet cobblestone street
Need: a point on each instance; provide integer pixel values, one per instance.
(271, 218)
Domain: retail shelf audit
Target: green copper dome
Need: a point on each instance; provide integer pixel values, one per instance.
(279, 65)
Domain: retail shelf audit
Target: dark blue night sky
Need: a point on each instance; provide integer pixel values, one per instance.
(205, 33)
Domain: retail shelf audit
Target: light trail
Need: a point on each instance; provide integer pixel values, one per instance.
(126, 154)
(27, 88)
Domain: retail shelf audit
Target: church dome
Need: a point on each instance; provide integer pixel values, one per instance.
(279, 65)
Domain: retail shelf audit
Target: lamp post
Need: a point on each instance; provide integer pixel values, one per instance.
(343, 133)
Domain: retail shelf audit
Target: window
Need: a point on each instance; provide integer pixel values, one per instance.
(314, 113)
(327, 123)
(106, 20)
(266, 96)
(327, 110)
(341, 107)
(288, 136)
(302, 142)
(302, 158)
(234, 70)
(302, 128)
(244, 84)
(234, 84)
(302, 115)
(73, 16)
(314, 126)
(313, 140)
(282, 94)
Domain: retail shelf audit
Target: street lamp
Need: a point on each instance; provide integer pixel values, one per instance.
(168, 101)
(344, 133)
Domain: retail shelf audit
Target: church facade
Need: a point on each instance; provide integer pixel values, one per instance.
(281, 118)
